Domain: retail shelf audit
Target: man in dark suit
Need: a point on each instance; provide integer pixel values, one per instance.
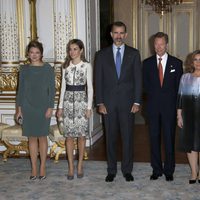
(161, 74)
(118, 95)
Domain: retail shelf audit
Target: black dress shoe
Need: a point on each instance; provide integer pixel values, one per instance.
(199, 181)
(128, 177)
(155, 176)
(169, 177)
(193, 181)
(110, 178)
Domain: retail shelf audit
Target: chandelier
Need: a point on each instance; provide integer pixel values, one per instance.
(162, 6)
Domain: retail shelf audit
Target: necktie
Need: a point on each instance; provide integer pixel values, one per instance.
(118, 62)
(160, 70)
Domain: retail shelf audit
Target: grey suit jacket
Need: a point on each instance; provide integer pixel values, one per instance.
(123, 91)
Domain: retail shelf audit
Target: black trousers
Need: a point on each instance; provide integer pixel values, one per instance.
(166, 124)
(119, 121)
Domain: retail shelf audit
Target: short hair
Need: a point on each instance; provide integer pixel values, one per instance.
(189, 63)
(161, 35)
(119, 24)
(35, 44)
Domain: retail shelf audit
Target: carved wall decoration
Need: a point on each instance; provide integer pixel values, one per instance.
(9, 49)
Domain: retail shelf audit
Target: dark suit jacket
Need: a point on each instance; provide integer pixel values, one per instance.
(162, 99)
(123, 91)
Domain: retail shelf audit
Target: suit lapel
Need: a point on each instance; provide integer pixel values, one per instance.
(155, 69)
(167, 70)
(124, 62)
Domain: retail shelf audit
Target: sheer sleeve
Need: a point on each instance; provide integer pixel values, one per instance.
(180, 93)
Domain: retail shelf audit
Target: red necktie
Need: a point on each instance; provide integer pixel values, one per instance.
(160, 70)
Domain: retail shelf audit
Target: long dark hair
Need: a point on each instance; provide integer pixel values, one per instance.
(80, 44)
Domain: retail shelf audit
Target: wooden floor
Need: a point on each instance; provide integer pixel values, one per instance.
(141, 147)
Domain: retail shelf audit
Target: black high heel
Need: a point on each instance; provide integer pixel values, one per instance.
(32, 178)
(193, 181)
(42, 177)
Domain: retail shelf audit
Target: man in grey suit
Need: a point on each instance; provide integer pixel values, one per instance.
(118, 95)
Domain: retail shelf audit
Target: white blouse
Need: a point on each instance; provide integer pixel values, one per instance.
(71, 78)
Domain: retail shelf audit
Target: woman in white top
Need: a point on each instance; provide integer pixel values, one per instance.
(75, 104)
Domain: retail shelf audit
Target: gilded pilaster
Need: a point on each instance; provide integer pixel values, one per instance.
(20, 19)
(33, 25)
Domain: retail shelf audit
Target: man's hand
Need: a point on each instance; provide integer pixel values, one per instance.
(135, 108)
(102, 109)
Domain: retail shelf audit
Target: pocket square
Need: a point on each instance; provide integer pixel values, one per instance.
(172, 70)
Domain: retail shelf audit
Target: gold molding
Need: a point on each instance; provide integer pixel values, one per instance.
(135, 23)
(7, 63)
(33, 21)
(20, 19)
(73, 14)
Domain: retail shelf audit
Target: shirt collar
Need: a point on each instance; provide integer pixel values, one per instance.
(116, 47)
(163, 57)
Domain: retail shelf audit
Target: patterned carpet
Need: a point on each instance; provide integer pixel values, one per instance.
(15, 183)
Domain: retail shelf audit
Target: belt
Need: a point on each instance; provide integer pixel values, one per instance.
(75, 87)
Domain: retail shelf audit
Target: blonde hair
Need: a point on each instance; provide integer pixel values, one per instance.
(189, 62)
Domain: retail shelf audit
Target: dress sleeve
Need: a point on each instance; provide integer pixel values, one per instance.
(63, 88)
(20, 91)
(180, 93)
(51, 87)
(89, 86)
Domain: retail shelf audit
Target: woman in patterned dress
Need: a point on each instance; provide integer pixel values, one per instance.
(188, 115)
(35, 102)
(75, 104)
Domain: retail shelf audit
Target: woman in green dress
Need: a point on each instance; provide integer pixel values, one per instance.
(35, 102)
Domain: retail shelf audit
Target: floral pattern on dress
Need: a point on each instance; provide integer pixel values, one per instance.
(75, 103)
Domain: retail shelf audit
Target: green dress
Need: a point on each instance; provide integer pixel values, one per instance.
(36, 91)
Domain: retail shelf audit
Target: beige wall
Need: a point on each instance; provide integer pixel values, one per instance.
(123, 12)
(182, 25)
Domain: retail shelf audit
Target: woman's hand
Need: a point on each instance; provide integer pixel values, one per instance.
(180, 121)
(88, 113)
(179, 118)
(59, 112)
(18, 113)
(49, 112)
